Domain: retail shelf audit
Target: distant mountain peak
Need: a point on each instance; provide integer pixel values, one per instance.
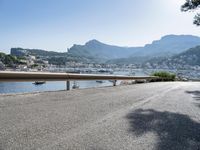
(174, 36)
(167, 45)
(94, 41)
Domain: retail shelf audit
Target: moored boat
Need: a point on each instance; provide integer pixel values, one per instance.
(99, 81)
(75, 85)
(39, 82)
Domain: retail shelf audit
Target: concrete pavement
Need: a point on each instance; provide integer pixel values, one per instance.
(160, 116)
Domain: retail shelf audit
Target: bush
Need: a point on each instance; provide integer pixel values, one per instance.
(164, 76)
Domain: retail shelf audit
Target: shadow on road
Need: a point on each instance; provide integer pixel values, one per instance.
(196, 96)
(174, 131)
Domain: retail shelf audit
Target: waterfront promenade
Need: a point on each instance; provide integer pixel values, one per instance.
(158, 116)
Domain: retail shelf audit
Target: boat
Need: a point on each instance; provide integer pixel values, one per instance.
(39, 82)
(99, 81)
(75, 86)
(74, 71)
(111, 81)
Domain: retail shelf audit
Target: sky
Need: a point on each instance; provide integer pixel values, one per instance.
(56, 25)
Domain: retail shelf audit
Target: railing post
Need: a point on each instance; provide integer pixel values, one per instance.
(114, 82)
(67, 85)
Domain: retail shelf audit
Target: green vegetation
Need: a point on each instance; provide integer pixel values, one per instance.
(55, 58)
(9, 60)
(34, 65)
(189, 57)
(20, 52)
(165, 76)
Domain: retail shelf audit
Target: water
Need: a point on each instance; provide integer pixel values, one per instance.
(26, 87)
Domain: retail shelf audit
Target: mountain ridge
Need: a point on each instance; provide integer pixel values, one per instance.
(188, 59)
(96, 51)
(166, 45)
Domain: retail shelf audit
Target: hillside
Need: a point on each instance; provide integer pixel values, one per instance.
(167, 45)
(102, 51)
(95, 51)
(8, 60)
(56, 58)
(189, 58)
(170, 45)
(35, 52)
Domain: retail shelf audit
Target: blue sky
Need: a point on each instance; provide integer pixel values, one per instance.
(58, 24)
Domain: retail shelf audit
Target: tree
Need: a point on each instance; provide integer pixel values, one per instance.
(192, 5)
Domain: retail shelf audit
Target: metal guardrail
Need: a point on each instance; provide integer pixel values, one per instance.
(8, 76)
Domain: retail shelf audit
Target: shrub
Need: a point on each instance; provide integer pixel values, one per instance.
(164, 76)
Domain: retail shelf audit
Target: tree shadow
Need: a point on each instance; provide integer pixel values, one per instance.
(174, 131)
(198, 105)
(196, 94)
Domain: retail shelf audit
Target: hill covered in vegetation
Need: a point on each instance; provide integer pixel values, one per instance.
(98, 52)
(56, 58)
(167, 46)
(186, 59)
(9, 60)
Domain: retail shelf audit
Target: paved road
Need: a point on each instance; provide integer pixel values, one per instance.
(159, 116)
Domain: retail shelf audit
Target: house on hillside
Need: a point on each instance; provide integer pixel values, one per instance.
(2, 66)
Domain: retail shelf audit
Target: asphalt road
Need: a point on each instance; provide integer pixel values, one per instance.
(158, 116)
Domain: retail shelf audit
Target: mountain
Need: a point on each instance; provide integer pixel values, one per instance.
(97, 52)
(167, 45)
(96, 49)
(189, 58)
(170, 45)
(8, 61)
(35, 52)
(56, 58)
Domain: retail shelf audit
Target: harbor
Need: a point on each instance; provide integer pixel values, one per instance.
(27, 87)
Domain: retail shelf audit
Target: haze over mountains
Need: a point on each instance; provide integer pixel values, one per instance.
(100, 50)
(183, 60)
(95, 51)
(167, 45)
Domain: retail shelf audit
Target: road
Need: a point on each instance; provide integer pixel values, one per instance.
(152, 116)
